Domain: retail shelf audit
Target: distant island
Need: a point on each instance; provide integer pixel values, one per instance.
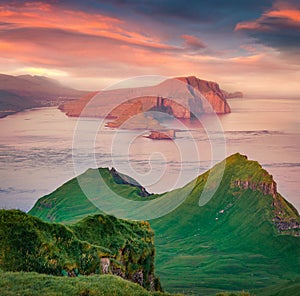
(181, 97)
(162, 135)
(233, 95)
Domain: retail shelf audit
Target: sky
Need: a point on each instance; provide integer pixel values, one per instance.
(250, 46)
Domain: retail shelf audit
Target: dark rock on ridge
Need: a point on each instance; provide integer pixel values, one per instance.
(124, 179)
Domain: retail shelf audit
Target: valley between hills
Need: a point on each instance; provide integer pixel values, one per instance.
(245, 238)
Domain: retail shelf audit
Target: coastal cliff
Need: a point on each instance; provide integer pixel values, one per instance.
(182, 97)
(285, 217)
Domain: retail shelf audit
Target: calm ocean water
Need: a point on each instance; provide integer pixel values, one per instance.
(38, 152)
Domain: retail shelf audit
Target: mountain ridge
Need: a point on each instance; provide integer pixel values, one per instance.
(260, 180)
(18, 93)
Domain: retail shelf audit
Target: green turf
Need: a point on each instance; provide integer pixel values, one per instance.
(34, 284)
(287, 288)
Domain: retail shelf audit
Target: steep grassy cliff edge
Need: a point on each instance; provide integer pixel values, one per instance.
(98, 244)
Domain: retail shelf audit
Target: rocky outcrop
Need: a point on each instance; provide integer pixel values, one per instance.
(105, 264)
(284, 226)
(162, 135)
(264, 187)
(182, 97)
(124, 179)
(212, 93)
(284, 222)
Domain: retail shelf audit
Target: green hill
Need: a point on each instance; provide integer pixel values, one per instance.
(245, 237)
(239, 240)
(69, 203)
(98, 244)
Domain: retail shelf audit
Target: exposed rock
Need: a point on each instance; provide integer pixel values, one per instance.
(264, 187)
(138, 277)
(286, 225)
(118, 271)
(134, 121)
(282, 219)
(211, 91)
(124, 179)
(162, 135)
(105, 263)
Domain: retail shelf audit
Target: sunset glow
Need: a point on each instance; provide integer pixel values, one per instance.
(92, 46)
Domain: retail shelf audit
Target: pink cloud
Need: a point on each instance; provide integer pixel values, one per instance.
(193, 42)
(41, 15)
(90, 47)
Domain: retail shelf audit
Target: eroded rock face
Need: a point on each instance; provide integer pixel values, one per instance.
(105, 263)
(124, 179)
(163, 135)
(286, 225)
(264, 187)
(138, 277)
(281, 219)
(211, 91)
(181, 97)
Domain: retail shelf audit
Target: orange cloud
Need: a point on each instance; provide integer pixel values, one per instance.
(293, 15)
(281, 14)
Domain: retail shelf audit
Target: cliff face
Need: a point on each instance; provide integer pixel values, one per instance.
(264, 187)
(211, 92)
(126, 180)
(181, 97)
(74, 108)
(285, 216)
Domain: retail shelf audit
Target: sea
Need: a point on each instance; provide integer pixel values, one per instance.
(40, 149)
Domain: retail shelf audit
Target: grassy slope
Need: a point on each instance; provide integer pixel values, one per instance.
(33, 284)
(29, 244)
(287, 288)
(197, 253)
(69, 204)
(240, 250)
